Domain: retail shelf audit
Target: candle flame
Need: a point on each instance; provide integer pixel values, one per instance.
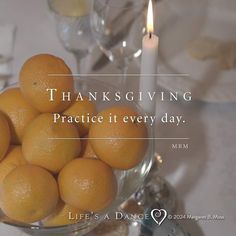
(150, 26)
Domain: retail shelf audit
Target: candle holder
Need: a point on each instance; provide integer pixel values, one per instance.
(154, 191)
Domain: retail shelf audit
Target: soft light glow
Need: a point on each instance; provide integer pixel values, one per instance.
(150, 26)
(158, 158)
(124, 44)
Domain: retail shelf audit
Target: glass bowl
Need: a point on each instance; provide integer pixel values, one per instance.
(128, 181)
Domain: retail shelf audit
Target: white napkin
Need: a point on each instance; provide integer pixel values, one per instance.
(7, 38)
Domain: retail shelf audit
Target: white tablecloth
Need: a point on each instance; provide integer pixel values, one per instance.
(204, 176)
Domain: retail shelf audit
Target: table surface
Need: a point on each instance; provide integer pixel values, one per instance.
(203, 176)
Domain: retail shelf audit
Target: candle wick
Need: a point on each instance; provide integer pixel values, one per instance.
(150, 35)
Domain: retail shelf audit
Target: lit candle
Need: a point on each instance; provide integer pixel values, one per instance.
(149, 65)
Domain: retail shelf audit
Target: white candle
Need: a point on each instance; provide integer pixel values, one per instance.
(149, 65)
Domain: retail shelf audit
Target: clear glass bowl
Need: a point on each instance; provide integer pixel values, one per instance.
(128, 181)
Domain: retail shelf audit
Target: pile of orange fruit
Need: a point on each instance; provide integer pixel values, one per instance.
(48, 169)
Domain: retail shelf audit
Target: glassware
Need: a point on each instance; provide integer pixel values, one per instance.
(73, 27)
(118, 27)
(128, 181)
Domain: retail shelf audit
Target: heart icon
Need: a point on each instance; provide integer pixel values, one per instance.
(159, 215)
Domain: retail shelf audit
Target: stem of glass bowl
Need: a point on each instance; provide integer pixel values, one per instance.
(78, 62)
(83, 62)
(123, 66)
(123, 77)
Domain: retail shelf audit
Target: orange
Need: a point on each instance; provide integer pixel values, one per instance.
(121, 145)
(42, 147)
(4, 136)
(64, 214)
(87, 184)
(82, 107)
(18, 112)
(86, 149)
(14, 158)
(28, 194)
(35, 79)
